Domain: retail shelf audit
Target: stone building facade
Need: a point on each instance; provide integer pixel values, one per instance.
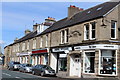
(86, 42)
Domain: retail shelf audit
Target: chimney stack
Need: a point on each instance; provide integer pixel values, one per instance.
(72, 10)
(27, 31)
(35, 27)
(49, 21)
(15, 39)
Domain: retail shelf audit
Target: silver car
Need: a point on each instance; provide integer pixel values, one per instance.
(13, 65)
(25, 68)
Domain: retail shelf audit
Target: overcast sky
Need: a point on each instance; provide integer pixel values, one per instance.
(18, 16)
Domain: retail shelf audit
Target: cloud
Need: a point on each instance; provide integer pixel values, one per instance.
(2, 42)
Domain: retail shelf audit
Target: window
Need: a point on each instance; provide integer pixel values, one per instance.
(34, 44)
(108, 62)
(89, 31)
(93, 30)
(64, 36)
(89, 62)
(113, 29)
(86, 31)
(23, 46)
(46, 40)
(41, 42)
(28, 45)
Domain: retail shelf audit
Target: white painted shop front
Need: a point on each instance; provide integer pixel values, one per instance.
(107, 63)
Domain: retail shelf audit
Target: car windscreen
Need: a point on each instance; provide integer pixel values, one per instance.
(28, 65)
(16, 62)
(47, 67)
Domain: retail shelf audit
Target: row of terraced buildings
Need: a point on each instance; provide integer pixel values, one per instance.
(86, 42)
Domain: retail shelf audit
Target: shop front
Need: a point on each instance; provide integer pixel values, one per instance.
(59, 58)
(97, 60)
(39, 56)
(23, 57)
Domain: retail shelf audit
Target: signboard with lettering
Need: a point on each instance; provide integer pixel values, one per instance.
(96, 46)
(62, 49)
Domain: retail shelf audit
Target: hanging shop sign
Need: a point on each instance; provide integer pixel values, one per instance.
(62, 49)
(96, 46)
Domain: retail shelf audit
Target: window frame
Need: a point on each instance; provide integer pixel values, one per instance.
(84, 61)
(100, 62)
(115, 22)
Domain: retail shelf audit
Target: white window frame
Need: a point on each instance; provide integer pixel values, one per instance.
(114, 29)
(28, 45)
(62, 36)
(85, 32)
(91, 30)
(66, 35)
(23, 46)
(84, 61)
(100, 62)
(46, 40)
(41, 41)
(34, 43)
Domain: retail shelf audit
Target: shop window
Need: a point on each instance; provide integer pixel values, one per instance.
(63, 64)
(108, 62)
(89, 62)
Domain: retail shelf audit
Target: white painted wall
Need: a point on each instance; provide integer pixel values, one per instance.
(53, 63)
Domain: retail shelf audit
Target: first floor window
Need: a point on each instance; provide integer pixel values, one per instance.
(89, 62)
(108, 62)
(113, 29)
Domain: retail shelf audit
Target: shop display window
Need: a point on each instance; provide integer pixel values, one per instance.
(89, 62)
(108, 62)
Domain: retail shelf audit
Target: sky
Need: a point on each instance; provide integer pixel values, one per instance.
(19, 16)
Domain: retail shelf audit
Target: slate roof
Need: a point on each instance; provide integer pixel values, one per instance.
(83, 16)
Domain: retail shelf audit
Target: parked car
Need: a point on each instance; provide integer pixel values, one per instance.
(25, 68)
(43, 70)
(12, 65)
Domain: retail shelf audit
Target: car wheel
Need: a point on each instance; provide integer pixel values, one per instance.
(33, 72)
(42, 74)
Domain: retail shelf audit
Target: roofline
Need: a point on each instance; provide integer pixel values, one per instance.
(71, 25)
(111, 10)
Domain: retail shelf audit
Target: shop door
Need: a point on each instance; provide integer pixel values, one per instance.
(77, 67)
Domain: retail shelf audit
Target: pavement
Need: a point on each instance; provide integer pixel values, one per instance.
(16, 75)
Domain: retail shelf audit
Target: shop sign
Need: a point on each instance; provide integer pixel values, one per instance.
(96, 46)
(39, 51)
(23, 54)
(62, 49)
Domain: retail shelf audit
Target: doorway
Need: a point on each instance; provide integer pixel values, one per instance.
(75, 65)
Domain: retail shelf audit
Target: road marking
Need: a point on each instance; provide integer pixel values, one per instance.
(17, 77)
(6, 74)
